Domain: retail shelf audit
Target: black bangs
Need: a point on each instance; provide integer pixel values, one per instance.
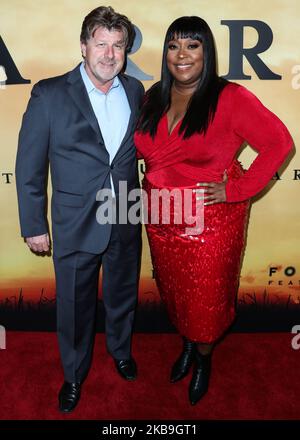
(180, 34)
(186, 27)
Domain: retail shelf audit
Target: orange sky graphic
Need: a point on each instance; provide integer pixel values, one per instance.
(273, 233)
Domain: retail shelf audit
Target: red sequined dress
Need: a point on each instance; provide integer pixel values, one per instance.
(198, 275)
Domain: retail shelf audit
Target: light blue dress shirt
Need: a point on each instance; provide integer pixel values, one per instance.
(112, 111)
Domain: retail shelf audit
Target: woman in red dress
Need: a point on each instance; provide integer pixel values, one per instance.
(192, 126)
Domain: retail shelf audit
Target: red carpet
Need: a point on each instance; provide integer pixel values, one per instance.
(254, 376)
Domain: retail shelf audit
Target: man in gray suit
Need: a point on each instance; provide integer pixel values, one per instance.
(82, 124)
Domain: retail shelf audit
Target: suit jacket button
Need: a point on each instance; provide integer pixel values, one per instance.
(112, 166)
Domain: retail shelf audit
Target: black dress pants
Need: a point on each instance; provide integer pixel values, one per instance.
(77, 275)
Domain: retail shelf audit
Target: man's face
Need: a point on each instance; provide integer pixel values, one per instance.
(104, 55)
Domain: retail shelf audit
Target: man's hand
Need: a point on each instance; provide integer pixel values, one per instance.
(40, 243)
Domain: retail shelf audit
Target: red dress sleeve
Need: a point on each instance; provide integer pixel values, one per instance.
(266, 134)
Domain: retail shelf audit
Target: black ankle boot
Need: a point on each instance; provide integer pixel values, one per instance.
(182, 365)
(200, 379)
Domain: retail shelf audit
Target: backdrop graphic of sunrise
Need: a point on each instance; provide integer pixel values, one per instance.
(43, 40)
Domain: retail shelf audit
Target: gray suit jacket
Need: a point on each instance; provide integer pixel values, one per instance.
(60, 128)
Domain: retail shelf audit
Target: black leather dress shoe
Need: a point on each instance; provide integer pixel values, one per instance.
(69, 396)
(199, 383)
(183, 363)
(126, 368)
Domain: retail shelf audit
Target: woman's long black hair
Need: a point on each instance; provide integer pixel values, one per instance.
(203, 104)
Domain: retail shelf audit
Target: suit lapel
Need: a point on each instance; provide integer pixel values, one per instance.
(131, 100)
(78, 93)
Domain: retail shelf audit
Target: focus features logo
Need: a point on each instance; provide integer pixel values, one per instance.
(280, 276)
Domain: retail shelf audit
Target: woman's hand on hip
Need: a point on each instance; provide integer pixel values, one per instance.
(214, 192)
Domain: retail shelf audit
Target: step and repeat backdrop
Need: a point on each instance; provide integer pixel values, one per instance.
(258, 47)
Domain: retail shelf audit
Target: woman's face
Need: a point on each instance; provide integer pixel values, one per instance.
(185, 60)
